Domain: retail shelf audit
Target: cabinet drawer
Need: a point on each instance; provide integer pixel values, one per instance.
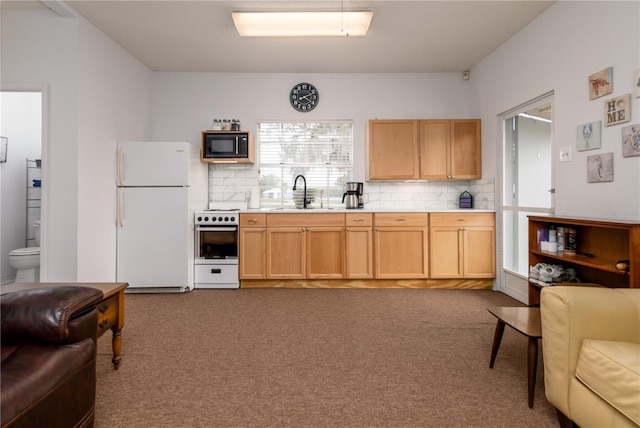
(360, 219)
(305, 220)
(251, 220)
(462, 219)
(218, 274)
(107, 314)
(401, 219)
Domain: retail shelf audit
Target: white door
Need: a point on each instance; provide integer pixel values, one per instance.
(526, 187)
(153, 163)
(153, 237)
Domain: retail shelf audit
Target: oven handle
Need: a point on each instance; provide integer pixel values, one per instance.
(216, 229)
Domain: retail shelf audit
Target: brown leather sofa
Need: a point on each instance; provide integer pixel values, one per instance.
(48, 367)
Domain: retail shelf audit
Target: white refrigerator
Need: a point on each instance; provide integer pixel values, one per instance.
(154, 229)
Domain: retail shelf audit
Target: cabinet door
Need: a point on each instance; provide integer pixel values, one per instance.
(466, 152)
(479, 252)
(446, 252)
(359, 247)
(392, 148)
(325, 252)
(434, 149)
(400, 252)
(286, 252)
(253, 246)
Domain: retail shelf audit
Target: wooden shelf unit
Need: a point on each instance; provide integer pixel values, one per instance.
(607, 241)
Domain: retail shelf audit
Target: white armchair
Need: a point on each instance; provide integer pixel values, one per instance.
(591, 353)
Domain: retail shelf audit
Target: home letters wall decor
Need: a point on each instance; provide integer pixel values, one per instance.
(617, 110)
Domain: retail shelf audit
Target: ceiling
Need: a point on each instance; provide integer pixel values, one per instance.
(404, 37)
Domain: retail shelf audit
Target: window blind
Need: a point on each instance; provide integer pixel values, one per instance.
(321, 151)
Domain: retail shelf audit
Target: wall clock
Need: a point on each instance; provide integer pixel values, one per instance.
(304, 97)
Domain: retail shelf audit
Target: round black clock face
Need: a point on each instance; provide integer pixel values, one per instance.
(304, 97)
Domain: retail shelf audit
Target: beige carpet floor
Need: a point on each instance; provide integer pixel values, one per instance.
(317, 358)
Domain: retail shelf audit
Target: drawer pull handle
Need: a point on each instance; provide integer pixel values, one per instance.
(216, 270)
(104, 323)
(401, 219)
(358, 219)
(253, 220)
(102, 309)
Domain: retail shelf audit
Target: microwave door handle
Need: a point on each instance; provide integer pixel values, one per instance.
(236, 145)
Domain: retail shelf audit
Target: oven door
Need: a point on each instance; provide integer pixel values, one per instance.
(216, 243)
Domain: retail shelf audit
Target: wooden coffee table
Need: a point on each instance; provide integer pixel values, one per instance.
(525, 320)
(110, 308)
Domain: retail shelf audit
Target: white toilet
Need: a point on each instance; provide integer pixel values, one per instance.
(27, 260)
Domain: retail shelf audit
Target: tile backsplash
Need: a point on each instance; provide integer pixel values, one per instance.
(230, 184)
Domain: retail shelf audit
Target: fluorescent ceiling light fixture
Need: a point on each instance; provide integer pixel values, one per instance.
(542, 119)
(290, 24)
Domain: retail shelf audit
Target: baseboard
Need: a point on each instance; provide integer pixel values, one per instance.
(475, 284)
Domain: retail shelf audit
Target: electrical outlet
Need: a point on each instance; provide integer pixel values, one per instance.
(565, 154)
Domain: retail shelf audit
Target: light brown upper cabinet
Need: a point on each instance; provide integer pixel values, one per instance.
(450, 149)
(427, 149)
(393, 150)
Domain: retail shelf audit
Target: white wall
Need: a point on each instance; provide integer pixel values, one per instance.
(21, 123)
(558, 51)
(40, 48)
(115, 104)
(97, 94)
(186, 103)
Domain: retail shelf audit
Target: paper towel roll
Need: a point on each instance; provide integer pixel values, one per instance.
(254, 202)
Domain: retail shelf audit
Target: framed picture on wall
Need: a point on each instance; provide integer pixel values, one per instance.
(4, 142)
(617, 110)
(636, 82)
(588, 136)
(600, 168)
(601, 83)
(631, 140)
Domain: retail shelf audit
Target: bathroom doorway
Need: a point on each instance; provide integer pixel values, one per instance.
(21, 122)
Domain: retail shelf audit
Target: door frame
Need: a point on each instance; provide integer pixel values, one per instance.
(43, 89)
(506, 278)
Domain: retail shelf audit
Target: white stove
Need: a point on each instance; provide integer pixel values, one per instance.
(216, 248)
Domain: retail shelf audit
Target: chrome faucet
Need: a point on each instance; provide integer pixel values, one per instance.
(304, 196)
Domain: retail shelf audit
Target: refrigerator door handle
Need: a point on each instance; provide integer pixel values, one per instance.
(120, 213)
(120, 166)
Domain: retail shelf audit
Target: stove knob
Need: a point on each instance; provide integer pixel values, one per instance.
(219, 218)
(213, 219)
(206, 219)
(199, 218)
(226, 219)
(233, 219)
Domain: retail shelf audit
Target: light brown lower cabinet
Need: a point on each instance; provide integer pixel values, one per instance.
(462, 245)
(359, 245)
(401, 245)
(253, 246)
(303, 246)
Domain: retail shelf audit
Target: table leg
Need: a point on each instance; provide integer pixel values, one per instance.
(116, 344)
(497, 338)
(532, 366)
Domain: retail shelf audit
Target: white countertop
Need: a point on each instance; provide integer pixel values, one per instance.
(367, 210)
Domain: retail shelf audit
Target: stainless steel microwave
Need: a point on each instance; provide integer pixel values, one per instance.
(227, 147)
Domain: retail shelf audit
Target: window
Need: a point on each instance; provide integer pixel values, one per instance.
(320, 151)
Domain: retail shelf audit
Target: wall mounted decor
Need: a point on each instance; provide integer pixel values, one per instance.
(631, 140)
(617, 110)
(601, 83)
(4, 142)
(600, 168)
(636, 82)
(588, 136)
